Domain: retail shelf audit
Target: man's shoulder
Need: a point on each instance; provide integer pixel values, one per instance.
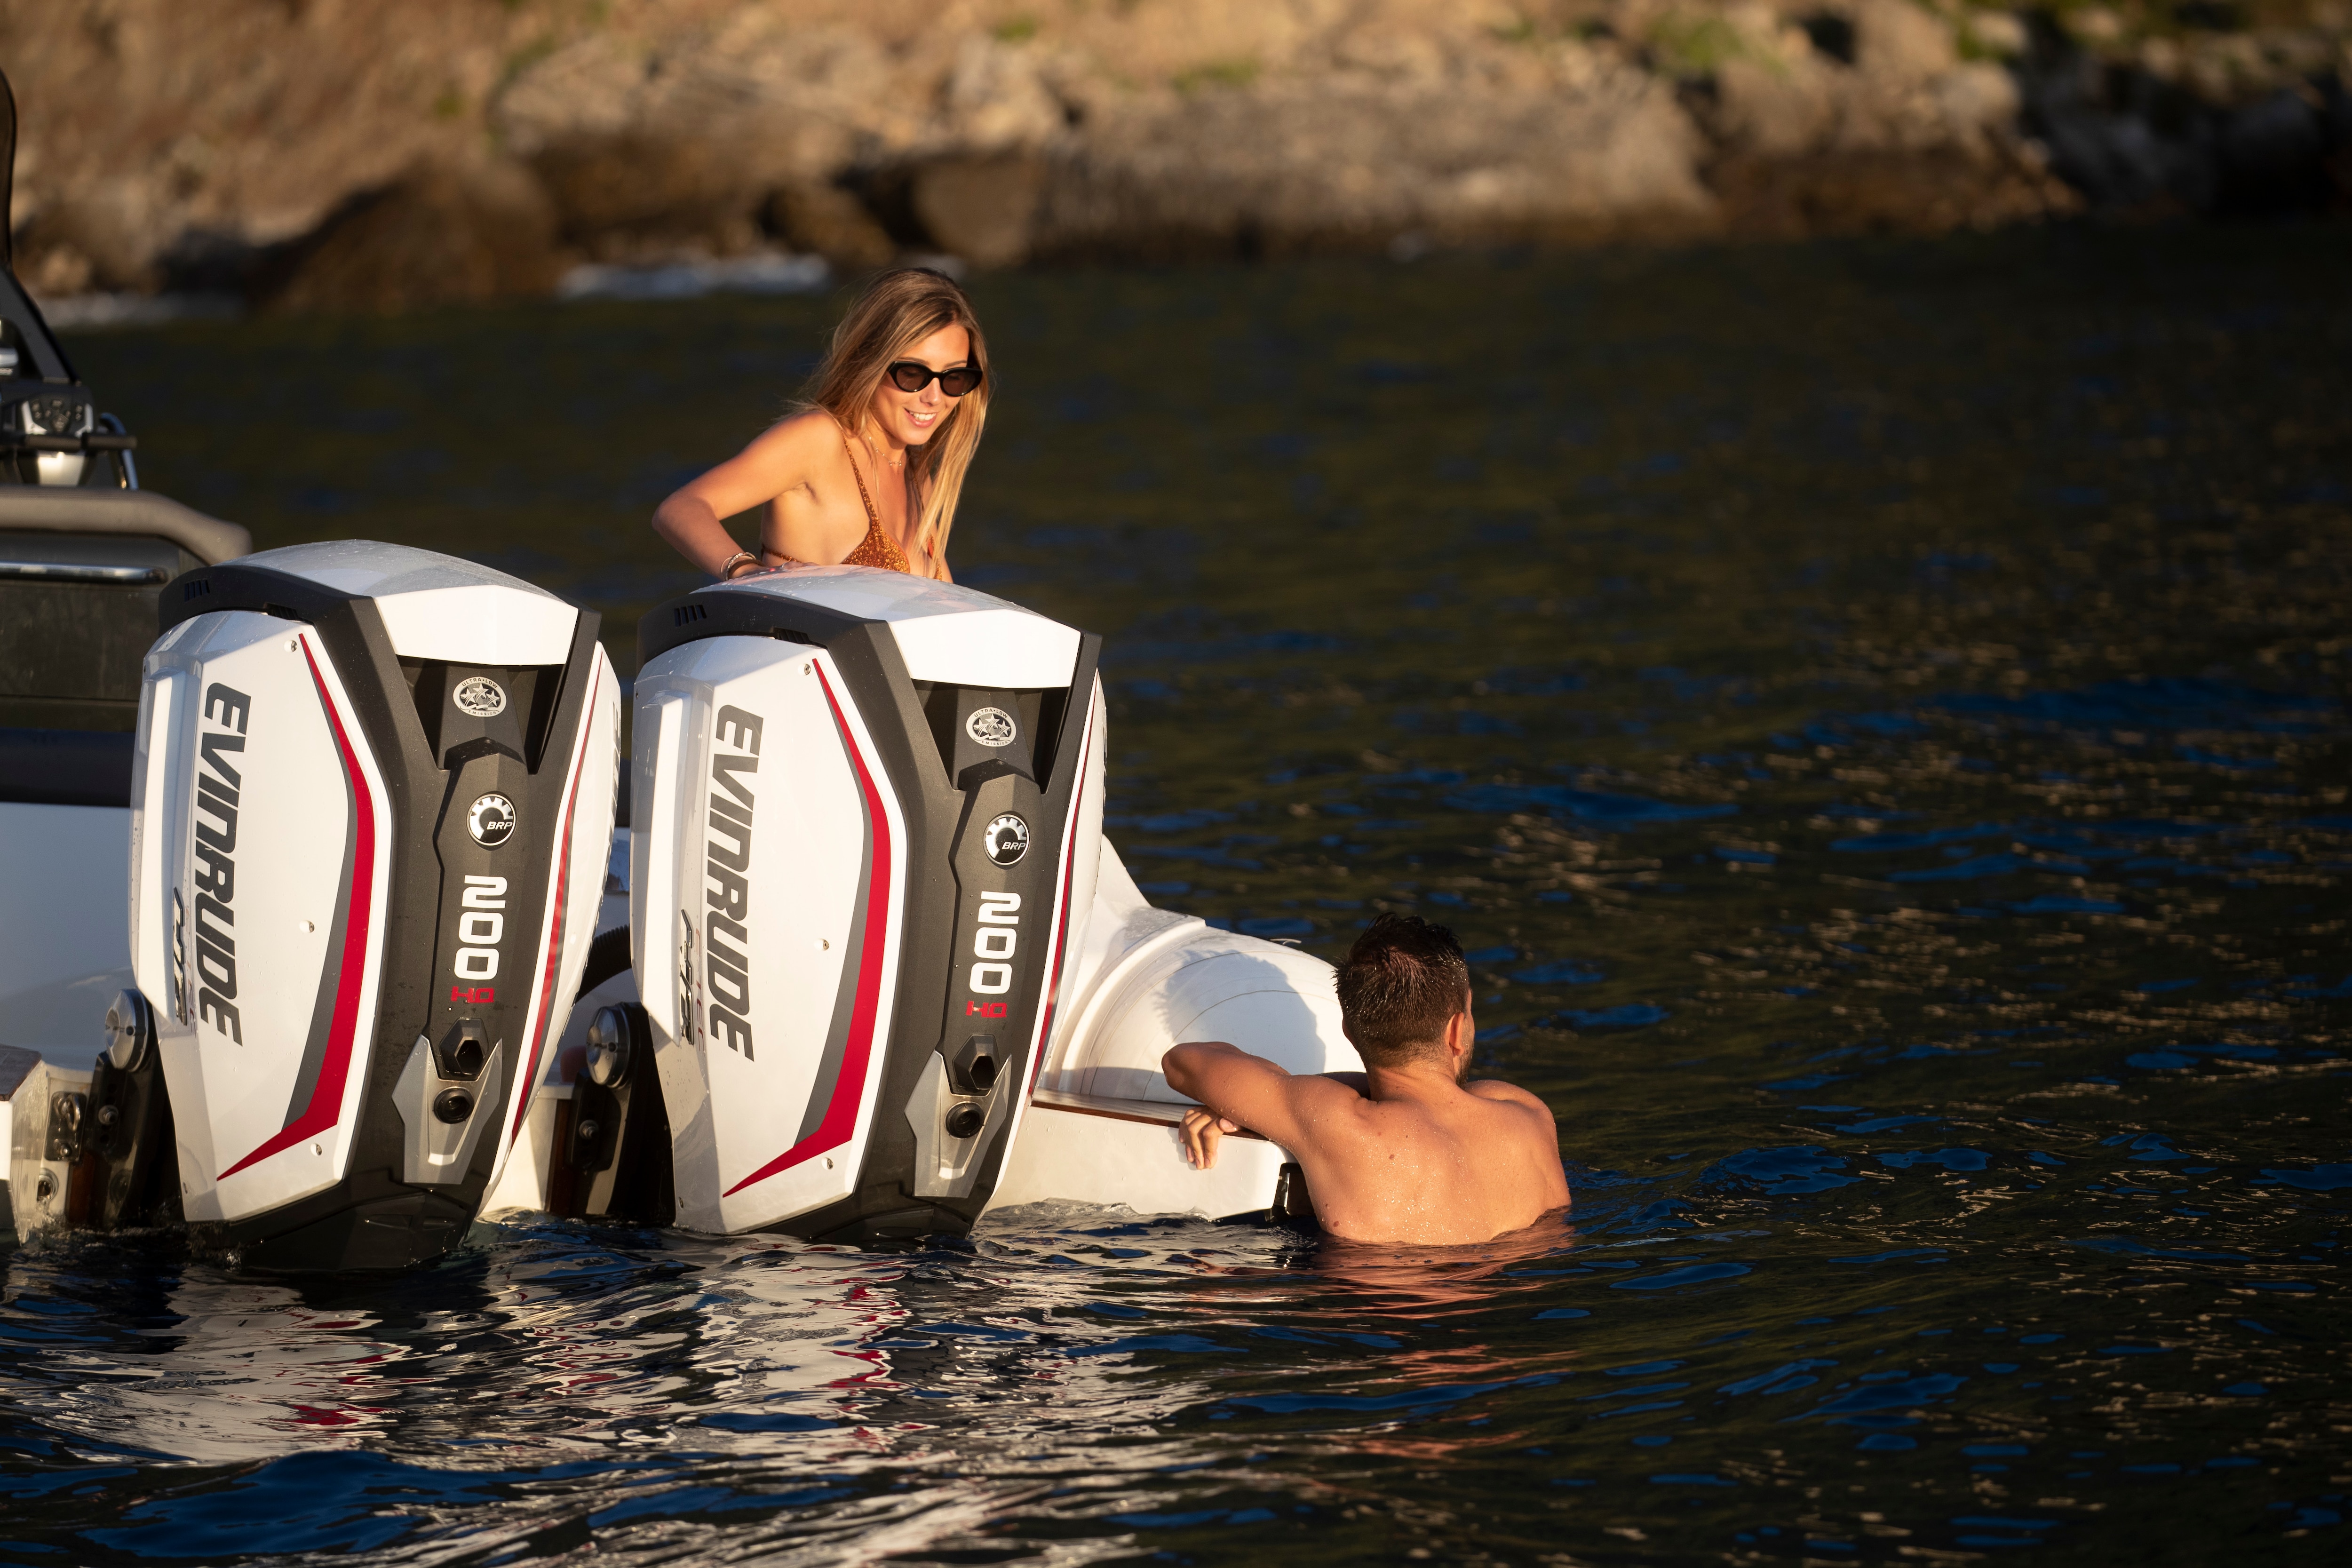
(1329, 1110)
(1324, 1090)
(1495, 1088)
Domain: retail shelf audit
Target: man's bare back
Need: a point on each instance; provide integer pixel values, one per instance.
(1409, 1155)
(1400, 1153)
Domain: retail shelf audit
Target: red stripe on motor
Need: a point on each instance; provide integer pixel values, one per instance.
(849, 1087)
(1062, 927)
(326, 1107)
(536, 1032)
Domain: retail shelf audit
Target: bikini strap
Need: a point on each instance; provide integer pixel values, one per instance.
(877, 548)
(873, 518)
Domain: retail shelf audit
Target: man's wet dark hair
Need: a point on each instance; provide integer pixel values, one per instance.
(1399, 986)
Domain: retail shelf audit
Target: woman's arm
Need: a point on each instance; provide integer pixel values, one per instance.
(692, 527)
(779, 460)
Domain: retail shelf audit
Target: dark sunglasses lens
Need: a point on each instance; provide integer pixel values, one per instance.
(956, 382)
(909, 376)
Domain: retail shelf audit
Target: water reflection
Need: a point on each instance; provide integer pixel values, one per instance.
(1877, 714)
(1068, 1371)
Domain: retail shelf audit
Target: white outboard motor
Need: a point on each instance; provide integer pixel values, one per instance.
(865, 820)
(882, 989)
(370, 808)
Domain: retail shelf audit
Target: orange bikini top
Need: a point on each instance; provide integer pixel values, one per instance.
(877, 548)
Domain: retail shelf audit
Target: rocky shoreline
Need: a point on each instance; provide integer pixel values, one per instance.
(333, 154)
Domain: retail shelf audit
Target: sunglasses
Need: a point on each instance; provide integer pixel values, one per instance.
(911, 376)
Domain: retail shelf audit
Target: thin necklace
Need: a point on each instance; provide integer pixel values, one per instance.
(865, 434)
(868, 441)
(880, 465)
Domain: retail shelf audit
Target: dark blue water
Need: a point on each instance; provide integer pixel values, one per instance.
(1877, 714)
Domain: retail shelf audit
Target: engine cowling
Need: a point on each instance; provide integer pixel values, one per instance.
(371, 805)
(865, 823)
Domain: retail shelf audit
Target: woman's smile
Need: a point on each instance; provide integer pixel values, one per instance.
(911, 416)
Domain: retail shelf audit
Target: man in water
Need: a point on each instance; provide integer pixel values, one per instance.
(1407, 1150)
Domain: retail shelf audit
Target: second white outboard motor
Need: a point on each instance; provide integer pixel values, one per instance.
(866, 815)
(372, 805)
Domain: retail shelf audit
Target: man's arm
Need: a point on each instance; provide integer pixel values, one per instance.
(1241, 1088)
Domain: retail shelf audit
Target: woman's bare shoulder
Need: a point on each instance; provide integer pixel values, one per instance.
(806, 434)
(788, 454)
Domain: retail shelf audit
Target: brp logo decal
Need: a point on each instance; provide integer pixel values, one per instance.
(480, 696)
(492, 821)
(993, 727)
(1006, 840)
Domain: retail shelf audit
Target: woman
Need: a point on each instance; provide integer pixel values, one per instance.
(868, 472)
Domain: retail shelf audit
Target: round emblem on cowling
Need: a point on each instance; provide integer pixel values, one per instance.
(1006, 840)
(491, 821)
(990, 727)
(480, 696)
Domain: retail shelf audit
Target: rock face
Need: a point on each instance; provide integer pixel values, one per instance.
(176, 143)
(2228, 123)
(1867, 119)
(825, 220)
(436, 235)
(1297, 165)
(333, 153)
(983, 209)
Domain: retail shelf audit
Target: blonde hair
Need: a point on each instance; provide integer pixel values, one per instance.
(898, 310)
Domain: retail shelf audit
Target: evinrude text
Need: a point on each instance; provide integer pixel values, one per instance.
(727, 846)
(211, 873)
